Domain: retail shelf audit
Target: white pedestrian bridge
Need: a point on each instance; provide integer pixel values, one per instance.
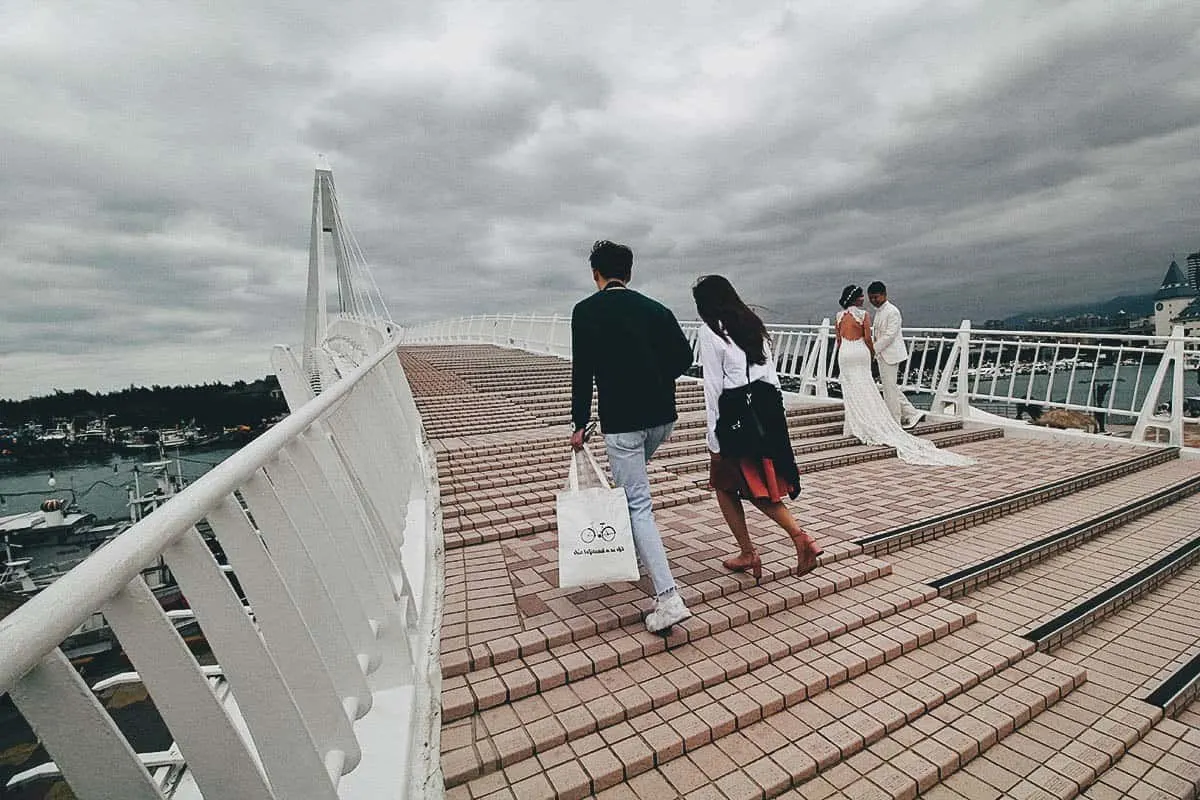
(1024, 628)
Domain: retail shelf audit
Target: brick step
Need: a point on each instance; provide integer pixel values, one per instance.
(562, 415)
(962, 541)
(692, 456)
(695, 440)
(513, 426)
(1065, 750)
(1110, 506)
(494, 416)
(550, 379)
(1166, 765)
(517, 488)
(797, 418)
(911, 760)
(478, 508)
(472, 410)
(683, 390)
(506, 422)
(914, 533)
(840, 568)
(493, 526)
(506, 478)
(549, 398)
(691, 441)
(1131, 585)
(460, 459)
(498, 363)
(466, 456)
(862, 453)
(820, 706)
(822, 609)
(1099, 577)
(817, 460)
(540, 397)
(458, 430)
(482, 402)
(752, 659)
(458, 402)
(514, 376)
(496, 368)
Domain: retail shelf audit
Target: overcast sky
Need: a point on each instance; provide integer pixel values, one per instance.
(981, 157)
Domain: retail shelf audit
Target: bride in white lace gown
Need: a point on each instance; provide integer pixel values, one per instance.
(867, 415)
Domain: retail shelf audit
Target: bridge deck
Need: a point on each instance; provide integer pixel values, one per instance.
(867, 678)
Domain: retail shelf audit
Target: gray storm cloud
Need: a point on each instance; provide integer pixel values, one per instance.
(981, 158)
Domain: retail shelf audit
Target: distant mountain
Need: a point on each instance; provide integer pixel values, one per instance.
(1135, 305)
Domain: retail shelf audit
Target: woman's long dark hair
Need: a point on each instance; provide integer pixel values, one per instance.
(728, 317)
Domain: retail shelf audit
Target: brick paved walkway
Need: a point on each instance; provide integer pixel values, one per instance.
(856, 680)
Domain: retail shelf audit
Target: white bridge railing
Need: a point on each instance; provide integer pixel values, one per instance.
(1140, 379)
(329, 522)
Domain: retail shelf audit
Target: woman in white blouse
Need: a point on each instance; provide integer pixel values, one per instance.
(735, 351)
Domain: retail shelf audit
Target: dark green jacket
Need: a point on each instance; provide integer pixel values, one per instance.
(634, 349)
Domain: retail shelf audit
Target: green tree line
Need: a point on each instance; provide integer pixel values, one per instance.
(211, 405)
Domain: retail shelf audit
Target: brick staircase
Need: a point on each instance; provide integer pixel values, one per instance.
(908, 663)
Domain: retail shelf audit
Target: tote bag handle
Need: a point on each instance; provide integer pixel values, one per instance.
(593, 476)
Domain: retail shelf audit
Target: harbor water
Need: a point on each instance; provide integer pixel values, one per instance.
(99, 487)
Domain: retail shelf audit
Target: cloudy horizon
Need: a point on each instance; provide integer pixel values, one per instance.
(983, 159)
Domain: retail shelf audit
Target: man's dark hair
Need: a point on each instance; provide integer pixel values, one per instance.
(876, 287)
(611, 260)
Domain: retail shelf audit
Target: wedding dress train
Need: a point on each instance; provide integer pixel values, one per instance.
(868, 418)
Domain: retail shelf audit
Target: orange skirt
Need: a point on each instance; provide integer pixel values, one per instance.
(751, 478)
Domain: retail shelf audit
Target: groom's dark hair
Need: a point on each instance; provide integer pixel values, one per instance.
(876, 287)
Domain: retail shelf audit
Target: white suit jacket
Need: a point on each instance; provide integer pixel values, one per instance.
(885, 330)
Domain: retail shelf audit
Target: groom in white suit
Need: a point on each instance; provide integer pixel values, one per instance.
(889, 353)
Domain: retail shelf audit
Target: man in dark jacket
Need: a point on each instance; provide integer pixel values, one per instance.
(633, 348)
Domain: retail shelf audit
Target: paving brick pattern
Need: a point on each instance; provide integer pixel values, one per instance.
(855, 680)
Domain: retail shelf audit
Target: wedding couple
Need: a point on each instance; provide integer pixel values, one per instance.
(871, 418)
(633, 349)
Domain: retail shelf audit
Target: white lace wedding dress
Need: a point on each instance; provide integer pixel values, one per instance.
(867, 415)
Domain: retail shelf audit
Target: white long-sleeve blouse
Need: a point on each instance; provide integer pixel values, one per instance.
(724, 366)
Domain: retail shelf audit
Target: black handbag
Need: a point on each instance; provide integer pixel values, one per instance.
(739, 430)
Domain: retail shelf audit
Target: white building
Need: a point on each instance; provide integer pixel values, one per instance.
(1172, 299)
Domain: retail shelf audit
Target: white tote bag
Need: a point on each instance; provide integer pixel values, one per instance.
(595, 539)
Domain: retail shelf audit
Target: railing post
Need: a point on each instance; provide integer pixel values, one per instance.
(548, 344)
(58, 706)
(217, 756)
(1172, 359)
(825, 335)
(959, 361)
(964, 367)
(296, 391)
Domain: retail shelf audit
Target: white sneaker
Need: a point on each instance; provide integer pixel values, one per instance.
(908, 424)
(666, 613)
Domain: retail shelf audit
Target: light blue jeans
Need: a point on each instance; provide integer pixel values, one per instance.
(627, 457)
